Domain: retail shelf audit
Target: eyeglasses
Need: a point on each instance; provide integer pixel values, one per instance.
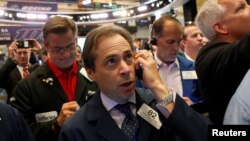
(22, 52)
(61, 50)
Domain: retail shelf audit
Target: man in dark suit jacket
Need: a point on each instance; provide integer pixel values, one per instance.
(12, 70)
(161, 113)
(52, 93)
(12, 125)
(222, 64)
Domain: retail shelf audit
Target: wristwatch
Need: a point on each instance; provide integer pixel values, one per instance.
(168, 99)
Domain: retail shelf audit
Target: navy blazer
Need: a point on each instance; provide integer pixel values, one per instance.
(94, 123)
(190, 86)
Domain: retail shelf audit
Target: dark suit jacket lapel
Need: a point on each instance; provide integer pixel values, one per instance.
(84, 88)
(106, 127)
(54, 84)
(17, 74)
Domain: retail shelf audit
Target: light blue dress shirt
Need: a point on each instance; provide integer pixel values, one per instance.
(238, 110)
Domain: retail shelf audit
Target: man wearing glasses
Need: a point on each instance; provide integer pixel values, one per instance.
(56, 90)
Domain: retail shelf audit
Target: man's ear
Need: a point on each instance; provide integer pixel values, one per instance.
(220, 28)
(45, 45)
(183, 44)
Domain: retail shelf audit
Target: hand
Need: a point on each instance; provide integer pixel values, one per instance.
(151, 77)
(36, 46)
(144, 59)
(187, 100)
(67, 110)
(12, 50)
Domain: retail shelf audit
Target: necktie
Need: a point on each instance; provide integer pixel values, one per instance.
(130, 123)
(25, 72)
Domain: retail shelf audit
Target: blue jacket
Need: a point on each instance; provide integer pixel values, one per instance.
(189, 86)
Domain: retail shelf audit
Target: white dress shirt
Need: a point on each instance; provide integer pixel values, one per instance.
(189, 58)
(20, 68)
(170, 75)
(118, 116)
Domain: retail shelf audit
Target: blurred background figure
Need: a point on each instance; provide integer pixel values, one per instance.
(79, 55)
(43, 56)
(16, 67)
(192, 42)
(137, 42)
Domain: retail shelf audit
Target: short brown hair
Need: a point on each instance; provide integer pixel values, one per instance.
(157, 27)
(58, 25)
(91, 42)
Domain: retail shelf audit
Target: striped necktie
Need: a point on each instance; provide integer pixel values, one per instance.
(25, 72)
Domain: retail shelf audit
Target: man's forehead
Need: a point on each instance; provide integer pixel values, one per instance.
(229, 3)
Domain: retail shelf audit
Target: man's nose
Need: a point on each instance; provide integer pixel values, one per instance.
(124, 68)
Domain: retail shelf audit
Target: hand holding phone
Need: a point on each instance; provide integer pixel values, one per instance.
(139, 71)
(149, 74)
(24, 43)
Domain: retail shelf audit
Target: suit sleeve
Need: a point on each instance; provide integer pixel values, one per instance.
(5, 71)
(186, 123)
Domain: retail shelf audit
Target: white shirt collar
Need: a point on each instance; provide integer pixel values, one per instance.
(110, 103)
(160, 63)
(188, 57)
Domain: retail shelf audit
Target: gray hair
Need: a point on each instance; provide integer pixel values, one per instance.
(209, 14)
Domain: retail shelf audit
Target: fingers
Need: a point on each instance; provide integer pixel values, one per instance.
(143, 54)
(67, 110)
(12, 50)
(36, 46)
(187, 100)
(71, 106)
(141, 57)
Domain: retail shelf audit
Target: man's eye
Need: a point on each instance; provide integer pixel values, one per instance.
(171, 42)
(58, 50)
(241, 8)
(111, 62)
(129, 57)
